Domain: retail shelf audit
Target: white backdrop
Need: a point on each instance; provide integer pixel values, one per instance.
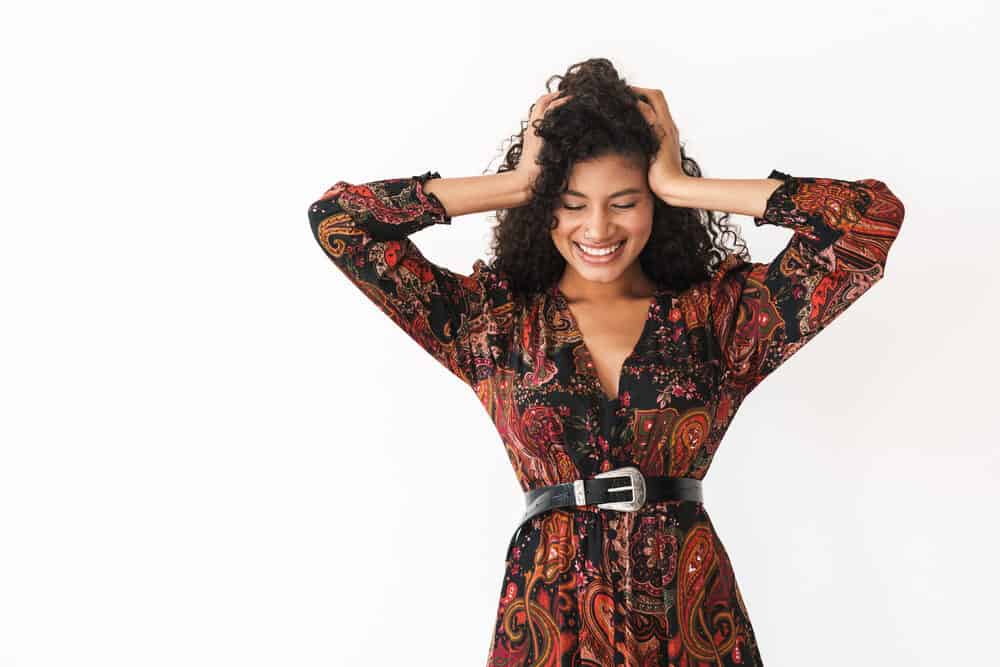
(215, 451)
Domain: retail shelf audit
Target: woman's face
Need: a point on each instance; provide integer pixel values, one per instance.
(607, 202)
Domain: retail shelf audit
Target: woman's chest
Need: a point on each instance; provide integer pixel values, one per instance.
(586, 360)
(609, 336)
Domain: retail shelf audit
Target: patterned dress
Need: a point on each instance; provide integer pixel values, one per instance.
(587, 586)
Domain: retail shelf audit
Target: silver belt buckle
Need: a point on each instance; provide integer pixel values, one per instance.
(637, 485)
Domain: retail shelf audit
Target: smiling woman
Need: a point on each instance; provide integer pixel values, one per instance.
(599, 236)
(612, 378)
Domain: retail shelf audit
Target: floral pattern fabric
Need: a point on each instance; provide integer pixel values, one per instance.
(587, 586)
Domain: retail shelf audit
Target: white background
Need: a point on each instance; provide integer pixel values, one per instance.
(215, 451)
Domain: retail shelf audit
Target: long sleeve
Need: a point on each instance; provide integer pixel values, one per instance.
(364, 230)
(762, 313)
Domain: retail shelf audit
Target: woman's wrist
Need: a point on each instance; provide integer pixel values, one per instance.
(742, 196)
(675, 191)
(475, 194)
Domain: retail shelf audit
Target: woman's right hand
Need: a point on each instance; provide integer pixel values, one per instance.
(527, 165)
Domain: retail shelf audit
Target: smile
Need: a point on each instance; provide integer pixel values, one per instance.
(602, 256)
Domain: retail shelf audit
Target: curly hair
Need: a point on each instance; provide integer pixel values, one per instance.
(685, 245)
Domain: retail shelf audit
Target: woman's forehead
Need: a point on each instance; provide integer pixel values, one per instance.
(606, 177)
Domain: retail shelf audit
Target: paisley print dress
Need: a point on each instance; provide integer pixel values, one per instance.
(587, 586)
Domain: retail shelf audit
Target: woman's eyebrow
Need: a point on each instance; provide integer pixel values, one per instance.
(627, 191)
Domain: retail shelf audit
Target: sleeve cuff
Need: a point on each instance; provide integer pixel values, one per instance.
(430, 200)
(780, 208)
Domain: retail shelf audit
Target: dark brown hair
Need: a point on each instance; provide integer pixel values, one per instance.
(685, 245)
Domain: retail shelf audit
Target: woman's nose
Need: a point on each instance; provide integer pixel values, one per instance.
(599, 231)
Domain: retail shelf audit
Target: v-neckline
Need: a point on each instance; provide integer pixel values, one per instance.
(571, 318)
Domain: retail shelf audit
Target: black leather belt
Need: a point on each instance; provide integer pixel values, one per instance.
(625, 489)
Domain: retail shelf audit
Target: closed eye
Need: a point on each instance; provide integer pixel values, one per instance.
(577, 208)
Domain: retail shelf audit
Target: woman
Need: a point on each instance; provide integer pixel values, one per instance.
(612, 349)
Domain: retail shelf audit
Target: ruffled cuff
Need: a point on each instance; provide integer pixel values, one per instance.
(780, 208)
(430, 200)
(785, 209)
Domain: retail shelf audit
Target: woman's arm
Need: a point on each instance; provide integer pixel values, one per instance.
(365, 228)
(743, 196)
(762, 313)
(475, 194)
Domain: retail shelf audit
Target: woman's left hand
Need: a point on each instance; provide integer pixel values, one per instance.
(665, 172)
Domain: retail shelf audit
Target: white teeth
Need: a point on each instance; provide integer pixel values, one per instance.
(598, 253)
